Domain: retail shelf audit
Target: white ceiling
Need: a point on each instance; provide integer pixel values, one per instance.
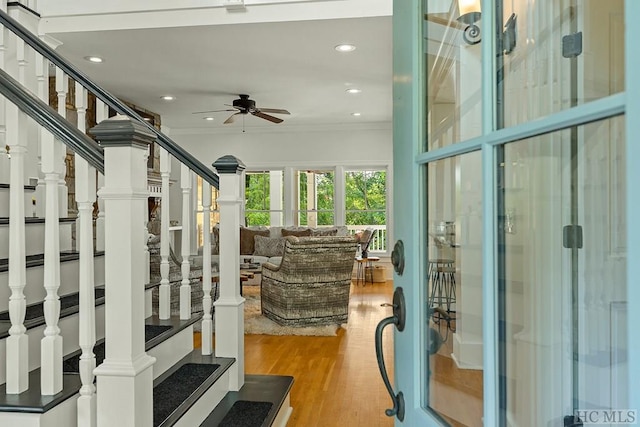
(289, 65)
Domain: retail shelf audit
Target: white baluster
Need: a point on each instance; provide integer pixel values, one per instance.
(62, 88)
(42, 76)
(85, 196)
(145, 233)
(164, 292)
(207, 322)
(102, 112)
(4, 161)
(18, 341)
(185, 287)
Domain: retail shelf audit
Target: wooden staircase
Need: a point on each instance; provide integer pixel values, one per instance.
(78, 343)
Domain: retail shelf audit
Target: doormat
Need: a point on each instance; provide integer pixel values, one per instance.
(170, 393)
(245, 413)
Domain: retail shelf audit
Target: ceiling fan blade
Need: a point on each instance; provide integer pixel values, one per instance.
(211, 111)
(267, 117)
(230, 119)
(273, 110)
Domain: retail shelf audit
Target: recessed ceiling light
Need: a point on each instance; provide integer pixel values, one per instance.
(345, 48)
(168, 97)
(94, 59)
(356, 114)
(353, 90)
(208, 118)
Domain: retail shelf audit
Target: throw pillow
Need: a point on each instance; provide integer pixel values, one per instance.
(247, 242)
(324, 231)
(269, 246)
(298, 233)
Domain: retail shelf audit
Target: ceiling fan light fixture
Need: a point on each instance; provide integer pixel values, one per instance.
(345, 48)
(353, 90)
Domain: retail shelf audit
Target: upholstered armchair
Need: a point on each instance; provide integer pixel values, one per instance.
(311, 285)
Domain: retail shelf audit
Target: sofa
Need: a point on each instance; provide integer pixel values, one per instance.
(311, 284)
(260, 244)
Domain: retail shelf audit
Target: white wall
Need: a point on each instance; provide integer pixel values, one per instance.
(368, 145)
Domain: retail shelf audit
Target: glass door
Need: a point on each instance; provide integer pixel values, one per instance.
(510, 201)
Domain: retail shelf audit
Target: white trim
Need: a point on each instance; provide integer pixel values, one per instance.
(286, 129)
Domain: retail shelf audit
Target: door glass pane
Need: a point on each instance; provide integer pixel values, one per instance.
(453, 57)
(453, 294)
(558, 54)
(563, 343)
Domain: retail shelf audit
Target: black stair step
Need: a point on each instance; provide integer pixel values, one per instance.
(26, 187)
(31, 401)
(251, 402)
(35, 312)
(178, 389)
(38, 259)
(36, 220)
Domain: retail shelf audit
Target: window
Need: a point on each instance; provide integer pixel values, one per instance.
(263, 198)
(366, 204)
(315, 200)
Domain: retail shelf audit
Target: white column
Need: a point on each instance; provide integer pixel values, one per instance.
(275, 197)
(18, 341)
(185, 287)
(102, 111)
(207, 323)
(145, 232)
(125, 379)
(164, 291)
(290, 194)
(4, 159)
(340, 207)
(230, 305)
(85, 196)
(62, 87)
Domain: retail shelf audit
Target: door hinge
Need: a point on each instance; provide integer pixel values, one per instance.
(572, 236)
(572, 45)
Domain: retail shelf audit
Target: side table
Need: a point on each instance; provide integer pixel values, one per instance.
(363, 265)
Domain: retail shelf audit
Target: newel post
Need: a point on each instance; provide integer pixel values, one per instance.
(125, 379)
(229, 324)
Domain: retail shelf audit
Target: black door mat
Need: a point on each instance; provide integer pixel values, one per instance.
(245, 413)
(35, 311)
(176, 389)
(71, 365)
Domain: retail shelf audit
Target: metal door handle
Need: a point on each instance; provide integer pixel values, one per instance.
(398, 319)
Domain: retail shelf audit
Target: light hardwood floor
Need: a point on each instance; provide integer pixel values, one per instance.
(337, 381)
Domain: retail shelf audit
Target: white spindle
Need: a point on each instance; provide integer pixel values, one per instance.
(22, 61)
(102, 112)
(4, 161)
(185, 287)
(62, 88)
(85, 196)
(207, 322)
(42, 77)
(164, 292)
(145, 233)
(18, 341)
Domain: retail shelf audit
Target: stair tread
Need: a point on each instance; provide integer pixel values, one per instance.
(36, 220)
(256, 388)
(38, 259)
(171, 415)
(32, 402)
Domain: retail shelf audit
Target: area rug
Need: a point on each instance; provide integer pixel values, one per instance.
(256, 324)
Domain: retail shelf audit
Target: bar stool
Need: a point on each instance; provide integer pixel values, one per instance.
(441, 274)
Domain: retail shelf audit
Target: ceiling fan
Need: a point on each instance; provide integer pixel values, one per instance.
(244, 106)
